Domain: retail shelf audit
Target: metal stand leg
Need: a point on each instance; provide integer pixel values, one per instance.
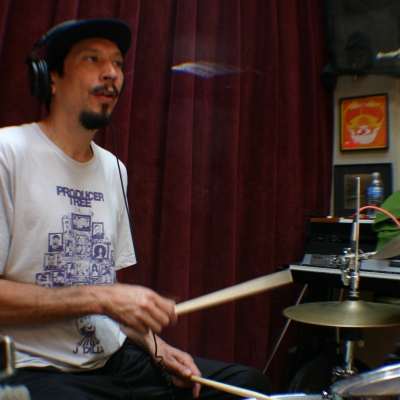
(351, 336)
(284, 330)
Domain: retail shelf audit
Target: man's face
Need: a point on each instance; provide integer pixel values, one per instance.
(51, 260)
(87, 321)
(91, 82)
(55, 240)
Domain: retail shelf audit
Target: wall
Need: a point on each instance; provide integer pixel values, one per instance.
(349, 86)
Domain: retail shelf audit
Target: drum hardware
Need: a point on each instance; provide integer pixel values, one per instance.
(283, 331)
(346, 262)
(7, 369)
(382, 315)
(351, 337)
(349, 261)
(346, 314)
(383, 383)
(7, 357)
(353, 313)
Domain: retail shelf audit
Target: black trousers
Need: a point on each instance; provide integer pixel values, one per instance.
(131, 374)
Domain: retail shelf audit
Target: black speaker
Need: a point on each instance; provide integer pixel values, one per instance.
(364, 36)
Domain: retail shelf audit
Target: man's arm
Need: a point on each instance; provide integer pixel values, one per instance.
(179, 364)
(24, 304)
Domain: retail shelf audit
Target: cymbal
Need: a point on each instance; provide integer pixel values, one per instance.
(389, 250)
(346, 314)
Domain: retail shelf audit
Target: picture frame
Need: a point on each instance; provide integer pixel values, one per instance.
(364, 122)
(81, 222)
(344, 185)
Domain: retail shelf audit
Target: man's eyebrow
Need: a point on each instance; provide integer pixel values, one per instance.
(96, 50)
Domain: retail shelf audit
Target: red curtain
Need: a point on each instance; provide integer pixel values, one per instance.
(223, 170)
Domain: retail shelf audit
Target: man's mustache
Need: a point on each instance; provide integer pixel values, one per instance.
(101, 88)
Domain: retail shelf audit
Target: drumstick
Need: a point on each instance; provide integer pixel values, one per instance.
(229, 388)
(236, 292)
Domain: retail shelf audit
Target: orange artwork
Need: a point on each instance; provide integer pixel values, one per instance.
(364, 123)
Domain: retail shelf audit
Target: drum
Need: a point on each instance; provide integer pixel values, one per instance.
(381, 383)
(297, 396)
(293, 396)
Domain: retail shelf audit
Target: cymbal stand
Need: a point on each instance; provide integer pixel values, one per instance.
(283, 331)
(351, 335)
(354, 275)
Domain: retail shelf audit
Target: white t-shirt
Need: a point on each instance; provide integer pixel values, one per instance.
(62, 223)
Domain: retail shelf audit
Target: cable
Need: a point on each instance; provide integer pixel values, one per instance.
(160, 363)
(163, 368)
(126, 203)
(395, 220)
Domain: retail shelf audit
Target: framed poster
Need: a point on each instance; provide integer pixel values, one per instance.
(364, 122)
(344, 185)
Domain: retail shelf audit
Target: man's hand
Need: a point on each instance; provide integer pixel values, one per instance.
(26, 304)
(138, 307)
(179, 364)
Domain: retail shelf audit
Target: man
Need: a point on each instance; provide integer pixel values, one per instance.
(71, 271)
(85, 60)
(51, 264)
(97, 233)
(68, 248)
(66, 226)
(58, 279)
(55, 245)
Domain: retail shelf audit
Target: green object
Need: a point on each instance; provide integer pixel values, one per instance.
(383, 224)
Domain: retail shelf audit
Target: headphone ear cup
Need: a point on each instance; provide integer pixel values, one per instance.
(39, 79)
(45, 91)
(33, 76)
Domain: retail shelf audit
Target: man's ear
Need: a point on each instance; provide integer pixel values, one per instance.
(52, 75)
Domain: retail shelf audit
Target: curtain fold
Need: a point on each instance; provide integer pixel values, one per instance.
(4, 7)
(226, 132)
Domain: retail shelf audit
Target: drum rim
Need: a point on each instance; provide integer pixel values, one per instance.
(345, 387)
(289, 396)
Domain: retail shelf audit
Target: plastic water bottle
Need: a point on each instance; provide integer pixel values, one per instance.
(374, 194)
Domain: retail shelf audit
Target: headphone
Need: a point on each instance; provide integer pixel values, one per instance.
(38, 69)
(38, 74)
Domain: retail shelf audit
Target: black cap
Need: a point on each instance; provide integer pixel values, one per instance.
(62, 37)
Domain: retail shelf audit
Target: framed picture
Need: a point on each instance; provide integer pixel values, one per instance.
(344, 185)
(364, 122)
